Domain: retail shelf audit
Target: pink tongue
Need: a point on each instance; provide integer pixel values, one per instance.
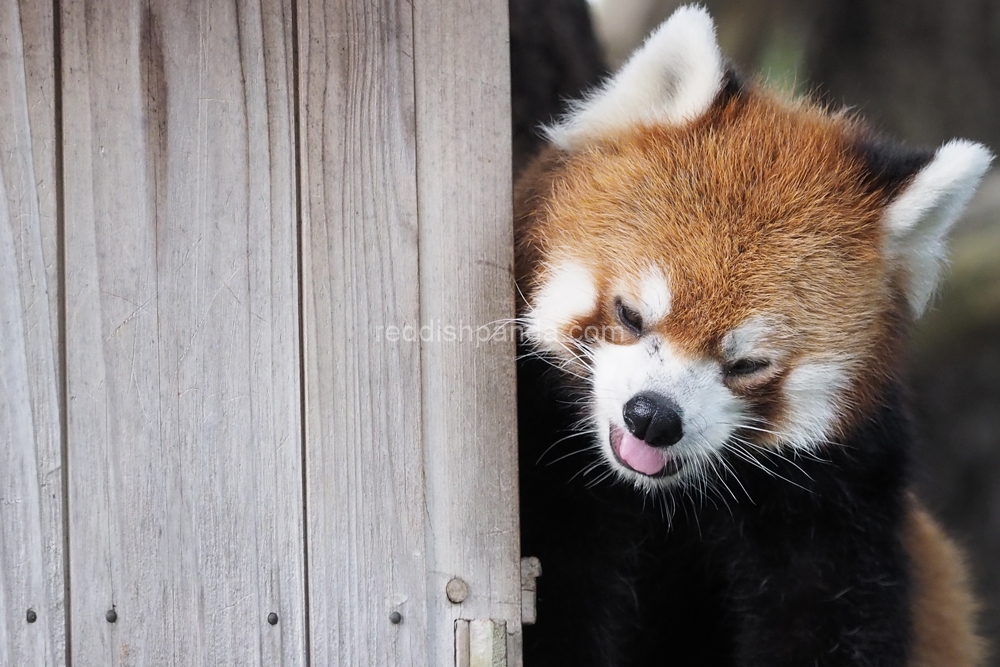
(641, 456)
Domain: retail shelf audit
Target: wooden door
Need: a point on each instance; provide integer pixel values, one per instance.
(219, 222)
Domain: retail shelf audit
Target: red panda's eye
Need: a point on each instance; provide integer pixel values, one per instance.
(743, 367)
(629, 317)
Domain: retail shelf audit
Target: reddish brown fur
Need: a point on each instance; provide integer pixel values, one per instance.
(944, 609)
(758, 207)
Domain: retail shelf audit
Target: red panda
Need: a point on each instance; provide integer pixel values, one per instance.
(717, 286)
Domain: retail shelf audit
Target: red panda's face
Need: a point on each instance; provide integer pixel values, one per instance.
(736, 280)
(720, 285)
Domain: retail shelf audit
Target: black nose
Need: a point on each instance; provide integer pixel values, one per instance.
(653, 418)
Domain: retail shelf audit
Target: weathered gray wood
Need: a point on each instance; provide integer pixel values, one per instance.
(408, 443)
(470, 445)
(184, 430)
(487, 643)
(363, 434)
(481, 643)
(31, 488)
(462, 648)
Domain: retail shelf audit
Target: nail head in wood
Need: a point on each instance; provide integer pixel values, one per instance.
(31, 616)
(272, 618)
(457, 590)
(395, 618)
(111, 616)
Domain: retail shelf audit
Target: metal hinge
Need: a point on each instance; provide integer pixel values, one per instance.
(531, 569)
(481, 643)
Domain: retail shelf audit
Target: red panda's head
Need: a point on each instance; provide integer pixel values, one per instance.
(723, 268)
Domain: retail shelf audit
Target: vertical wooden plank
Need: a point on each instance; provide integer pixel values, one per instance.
(185, 490)
(462, 644)
(363, 435)
(31, 487)
(466, 280)
(481, 643)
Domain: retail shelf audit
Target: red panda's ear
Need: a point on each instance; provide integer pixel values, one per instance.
(923, 210)
(673, 78)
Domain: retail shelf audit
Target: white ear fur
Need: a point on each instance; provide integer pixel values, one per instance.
(673, 78)
(920, 217)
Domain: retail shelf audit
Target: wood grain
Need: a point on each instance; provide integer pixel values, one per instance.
(182, 343)
(31, 482)
(469, 411)
(410, 443)
(487, 643)
(176, 281)
(365, 481)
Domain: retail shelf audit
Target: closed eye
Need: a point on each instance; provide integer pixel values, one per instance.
(745, 367)
(629, 317)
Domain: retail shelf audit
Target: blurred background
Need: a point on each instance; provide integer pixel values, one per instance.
(923, 71)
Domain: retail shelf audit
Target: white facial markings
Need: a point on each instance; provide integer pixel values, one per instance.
(754, 339)
(713, 413)
(813, 392)
(654, 296)
(568, 292)
(710, 412)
